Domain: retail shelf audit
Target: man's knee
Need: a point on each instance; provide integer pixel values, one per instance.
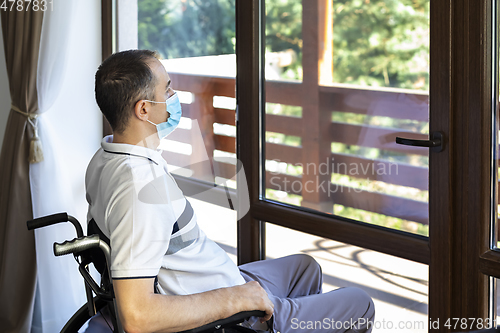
(365, 310)
(311, 265)
(363, 301)
(307, 261)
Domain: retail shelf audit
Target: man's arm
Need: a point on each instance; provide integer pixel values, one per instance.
(141, 310)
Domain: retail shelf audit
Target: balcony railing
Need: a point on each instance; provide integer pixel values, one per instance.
(392, 103)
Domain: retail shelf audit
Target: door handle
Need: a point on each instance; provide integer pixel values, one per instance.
(435, 143)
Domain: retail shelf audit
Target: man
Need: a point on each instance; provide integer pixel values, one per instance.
(154, 236)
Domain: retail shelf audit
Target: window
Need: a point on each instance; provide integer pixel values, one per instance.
(332, 116)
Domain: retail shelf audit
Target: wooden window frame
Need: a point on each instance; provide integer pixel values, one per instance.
(460, 261)
(461, 201)
(108, 43)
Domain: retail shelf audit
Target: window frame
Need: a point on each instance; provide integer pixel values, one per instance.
(461, 195)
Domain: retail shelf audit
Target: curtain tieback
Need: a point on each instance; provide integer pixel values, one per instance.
(36, 150)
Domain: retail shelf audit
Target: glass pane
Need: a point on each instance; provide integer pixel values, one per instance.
(222, 229)
(332, 116)
(196, 39)
(398, 287)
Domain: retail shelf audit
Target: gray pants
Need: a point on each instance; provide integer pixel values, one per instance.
(294, 286)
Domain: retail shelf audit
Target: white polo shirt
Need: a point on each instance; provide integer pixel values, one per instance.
(152, 228)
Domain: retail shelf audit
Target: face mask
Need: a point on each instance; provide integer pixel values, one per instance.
(174, 108)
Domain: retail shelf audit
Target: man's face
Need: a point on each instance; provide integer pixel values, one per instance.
(163, 91)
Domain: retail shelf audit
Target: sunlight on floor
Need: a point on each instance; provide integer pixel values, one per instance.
(398, 287)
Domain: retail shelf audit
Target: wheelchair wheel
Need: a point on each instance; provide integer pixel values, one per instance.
(82, 316)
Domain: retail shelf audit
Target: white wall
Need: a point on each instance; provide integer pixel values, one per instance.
(75, 114)
(75, 108)
(4, 92)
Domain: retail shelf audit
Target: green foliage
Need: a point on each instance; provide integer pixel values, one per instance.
(187, 28)
(376, 42)
(152, 17)
(382, 43)
(284, 31)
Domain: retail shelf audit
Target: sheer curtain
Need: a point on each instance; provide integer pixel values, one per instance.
(70, 131)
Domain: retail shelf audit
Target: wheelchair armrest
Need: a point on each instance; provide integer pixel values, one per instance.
(226, 322)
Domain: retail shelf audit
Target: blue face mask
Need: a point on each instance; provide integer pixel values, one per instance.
(173, 106)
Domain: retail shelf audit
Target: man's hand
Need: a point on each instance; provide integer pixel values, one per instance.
(141, 310)
(253, 297)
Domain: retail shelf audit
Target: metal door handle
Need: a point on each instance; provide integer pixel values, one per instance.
(435, 143)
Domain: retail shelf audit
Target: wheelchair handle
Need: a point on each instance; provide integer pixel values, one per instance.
(54, 219)
(76, 245)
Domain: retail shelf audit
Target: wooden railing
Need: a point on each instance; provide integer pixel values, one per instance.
(395, 103)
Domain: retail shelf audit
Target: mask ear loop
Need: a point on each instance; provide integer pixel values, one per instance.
(147, 100)
(166, 108)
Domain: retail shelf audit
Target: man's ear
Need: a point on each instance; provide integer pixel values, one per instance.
(141, 109)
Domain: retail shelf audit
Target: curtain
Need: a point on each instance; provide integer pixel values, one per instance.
(21, 35)
(60, 287)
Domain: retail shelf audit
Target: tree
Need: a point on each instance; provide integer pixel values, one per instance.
(187, 28)
(382, 43)
(376, 42)
(284, 31)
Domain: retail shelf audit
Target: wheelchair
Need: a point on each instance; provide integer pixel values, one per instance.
(94, 249)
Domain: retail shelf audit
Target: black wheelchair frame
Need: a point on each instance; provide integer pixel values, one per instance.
(93, 250)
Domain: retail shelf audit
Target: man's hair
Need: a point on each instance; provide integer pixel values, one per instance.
(121, 81)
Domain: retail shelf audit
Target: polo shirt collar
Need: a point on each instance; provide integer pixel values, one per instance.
(133, 150)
